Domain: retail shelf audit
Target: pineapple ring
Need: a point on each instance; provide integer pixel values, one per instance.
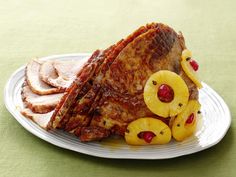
(188, 68)
(181, 130)
(181, 93)
(160, 129)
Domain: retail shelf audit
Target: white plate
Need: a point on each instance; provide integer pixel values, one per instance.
(216, 120)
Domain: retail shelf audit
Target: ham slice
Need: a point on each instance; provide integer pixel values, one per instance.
(60, 74)
(47, 72)
(40, 119)
(69, 69)
(39, 103)
(34, 81)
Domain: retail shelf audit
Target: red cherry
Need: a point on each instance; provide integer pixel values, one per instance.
(165, 93)
(194, 65)
(147, 136)
(190, 119)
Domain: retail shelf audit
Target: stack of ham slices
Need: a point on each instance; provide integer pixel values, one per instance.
(44, 86)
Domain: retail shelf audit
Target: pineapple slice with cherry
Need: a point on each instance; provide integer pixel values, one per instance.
(166, 93)
(147, 130)
(184, 125)
(190, 67)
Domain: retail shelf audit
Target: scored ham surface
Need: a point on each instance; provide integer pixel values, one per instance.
(108, 92)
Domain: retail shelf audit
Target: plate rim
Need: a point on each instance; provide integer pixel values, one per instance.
(18, 118)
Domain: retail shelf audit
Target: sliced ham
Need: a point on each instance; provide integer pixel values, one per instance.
(34, 81)
(39, 103)
(40, 119)
(44, 86)
(47, 72)
(69, 69)
(60, 74)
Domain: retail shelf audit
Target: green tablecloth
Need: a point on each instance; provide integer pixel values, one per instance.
(41, 27)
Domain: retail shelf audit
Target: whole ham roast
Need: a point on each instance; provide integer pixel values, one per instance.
(107, 93)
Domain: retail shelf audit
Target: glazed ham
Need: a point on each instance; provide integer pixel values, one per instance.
(108, 92)
(92, 72)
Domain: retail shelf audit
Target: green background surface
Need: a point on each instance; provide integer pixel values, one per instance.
(40, 28)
